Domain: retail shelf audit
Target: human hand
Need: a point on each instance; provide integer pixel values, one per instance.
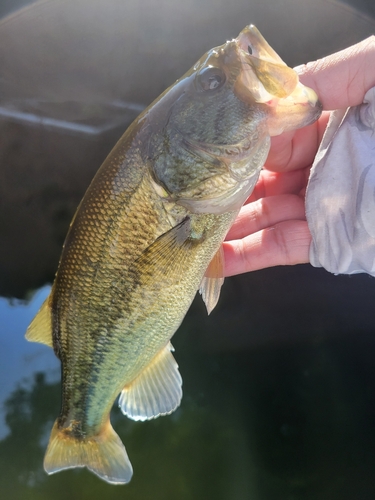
(271, 228)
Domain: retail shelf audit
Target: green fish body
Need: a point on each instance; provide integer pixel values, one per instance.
(147, 235)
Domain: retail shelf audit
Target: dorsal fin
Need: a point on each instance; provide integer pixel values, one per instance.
(213, 280)
(156, 391)
(40, 329)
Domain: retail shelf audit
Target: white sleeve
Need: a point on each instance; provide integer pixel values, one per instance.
(340, 196)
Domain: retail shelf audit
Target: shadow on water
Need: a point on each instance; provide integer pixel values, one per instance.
(279, 381)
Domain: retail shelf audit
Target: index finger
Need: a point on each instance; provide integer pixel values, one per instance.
(342, 79)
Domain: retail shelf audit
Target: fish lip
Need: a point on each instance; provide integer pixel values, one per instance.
(304, 114)
(318, 111)
(311, 101)
(302, 95)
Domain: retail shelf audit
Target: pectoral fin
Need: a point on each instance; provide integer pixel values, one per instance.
(169, 255)
(40, 329)
(213, 280)
(156, 391)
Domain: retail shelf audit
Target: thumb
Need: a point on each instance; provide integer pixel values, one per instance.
(343, 78)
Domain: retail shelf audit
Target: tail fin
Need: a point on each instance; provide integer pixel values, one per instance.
(103, 454)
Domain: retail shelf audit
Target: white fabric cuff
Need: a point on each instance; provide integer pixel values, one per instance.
(340, 196)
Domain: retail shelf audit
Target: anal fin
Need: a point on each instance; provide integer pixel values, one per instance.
(40, 329)
(213, 280)
(156, 391)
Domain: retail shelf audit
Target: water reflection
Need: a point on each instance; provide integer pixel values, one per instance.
(19, 360)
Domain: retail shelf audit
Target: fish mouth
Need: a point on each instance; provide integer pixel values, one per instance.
(299, 109)
(266, 79)
(263, 73)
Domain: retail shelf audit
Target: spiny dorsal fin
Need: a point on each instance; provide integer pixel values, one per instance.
(103, 454)
(213, 280)
(40, 329)
(156, 391)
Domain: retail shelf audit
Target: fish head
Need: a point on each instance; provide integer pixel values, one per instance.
(218, 120)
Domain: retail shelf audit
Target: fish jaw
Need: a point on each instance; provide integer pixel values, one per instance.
(265, 78)
(264, 73)
(299, 109)
(231, 201)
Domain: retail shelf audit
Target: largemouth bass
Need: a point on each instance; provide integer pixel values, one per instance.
(147, 235)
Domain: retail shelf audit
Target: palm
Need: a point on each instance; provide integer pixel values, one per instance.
(271, 228)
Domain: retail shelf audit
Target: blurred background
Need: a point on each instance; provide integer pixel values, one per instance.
(279, 381)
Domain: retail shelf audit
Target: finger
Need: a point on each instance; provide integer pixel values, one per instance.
(275, 183)
(296, 149)
(286, 243)
(342, 79)
(266, 212)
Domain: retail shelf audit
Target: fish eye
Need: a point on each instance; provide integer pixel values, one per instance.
(250, 50)
(211, 78)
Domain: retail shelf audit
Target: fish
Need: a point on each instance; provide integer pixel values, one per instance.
(148, 235)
